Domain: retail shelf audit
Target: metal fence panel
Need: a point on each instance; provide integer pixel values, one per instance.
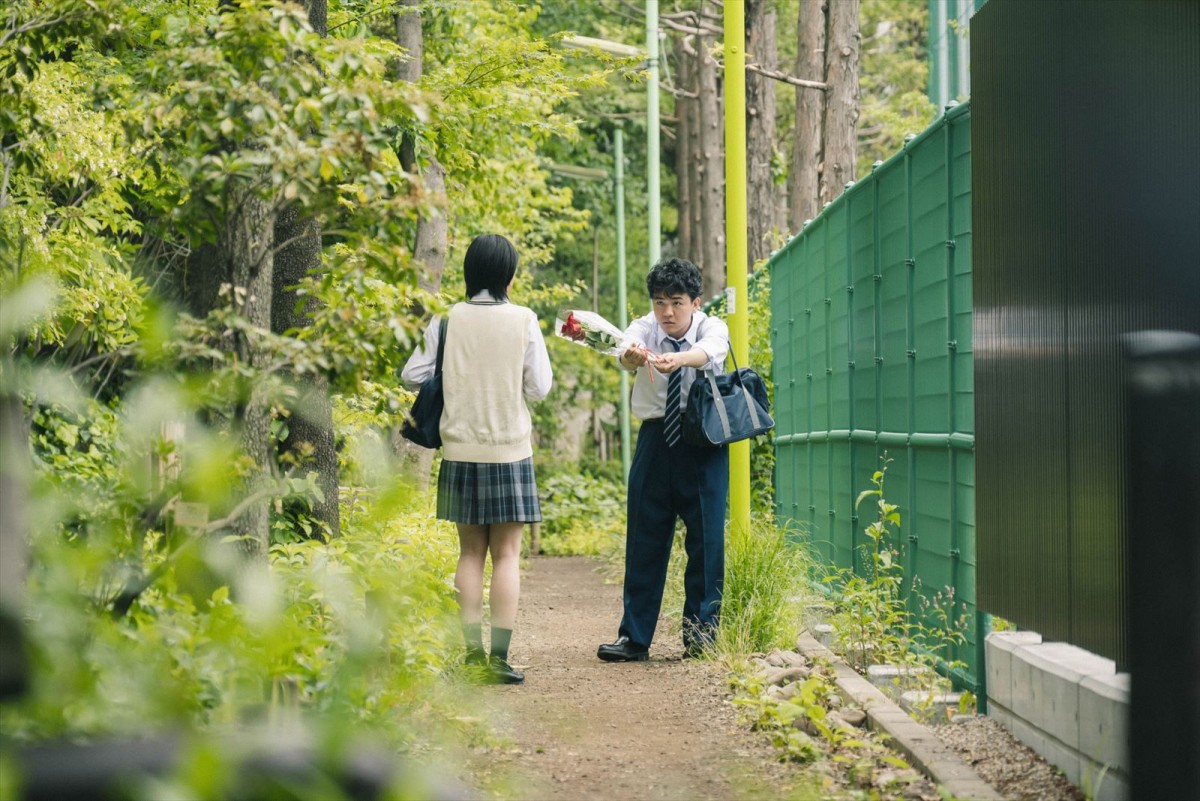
(871, 306)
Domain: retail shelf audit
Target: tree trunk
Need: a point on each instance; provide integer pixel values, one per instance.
(431, 241)
(841, 109)
(430, 246)
(246, 245)
(712, 172)
(762, 197)
(683, 143)
(15, 475)
(804, 177)
(318, 14)
(298, 255)
(311, 437)
(695, 156)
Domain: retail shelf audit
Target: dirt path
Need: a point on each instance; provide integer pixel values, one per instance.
(584, 729)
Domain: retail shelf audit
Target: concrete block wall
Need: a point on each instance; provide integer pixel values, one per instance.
(1069, 705)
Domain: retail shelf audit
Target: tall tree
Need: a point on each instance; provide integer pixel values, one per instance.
(762, 197)
(685, 115)
(804, 177)
(310, 441)
(698, 110)
(431, 239)
(710, 167)
(841, 108)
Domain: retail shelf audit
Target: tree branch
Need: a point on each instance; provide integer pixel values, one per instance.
(783, 76)
(697, 29)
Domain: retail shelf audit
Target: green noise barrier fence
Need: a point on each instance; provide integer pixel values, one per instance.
(871, 330)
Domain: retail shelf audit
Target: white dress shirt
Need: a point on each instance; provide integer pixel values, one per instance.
(710, 334)
(538, 376)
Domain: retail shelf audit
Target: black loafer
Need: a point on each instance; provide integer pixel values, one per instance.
(504, 673)
(623, 650)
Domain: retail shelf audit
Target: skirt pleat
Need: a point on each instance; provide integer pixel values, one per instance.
(481, 493)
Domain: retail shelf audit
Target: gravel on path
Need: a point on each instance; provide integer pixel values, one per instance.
(1006, 763)
(580, 728)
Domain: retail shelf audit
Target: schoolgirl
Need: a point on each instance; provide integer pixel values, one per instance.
(494, 361)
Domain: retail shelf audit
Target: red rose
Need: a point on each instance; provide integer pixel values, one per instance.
(572, 329)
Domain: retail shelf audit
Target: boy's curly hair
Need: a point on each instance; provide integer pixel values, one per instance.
(674, 276)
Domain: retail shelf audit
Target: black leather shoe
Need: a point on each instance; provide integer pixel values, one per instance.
(623, 650)
(504, 673)
(693, 651)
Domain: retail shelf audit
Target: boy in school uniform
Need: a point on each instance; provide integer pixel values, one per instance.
(669, 478)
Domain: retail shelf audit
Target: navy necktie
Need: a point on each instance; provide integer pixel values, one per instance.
(672, 422)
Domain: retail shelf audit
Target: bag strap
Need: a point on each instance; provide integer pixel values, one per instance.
(718, 401)
(441, 345)
(732, 355)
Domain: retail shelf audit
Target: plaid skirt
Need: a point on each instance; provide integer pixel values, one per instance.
(480, 493)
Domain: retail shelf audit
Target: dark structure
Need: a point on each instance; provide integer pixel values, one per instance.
(1086, 220)
(1164, 620)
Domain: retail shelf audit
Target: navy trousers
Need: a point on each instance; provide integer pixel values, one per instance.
(665, 484)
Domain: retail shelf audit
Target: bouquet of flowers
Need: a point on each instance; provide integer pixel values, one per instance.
(593, 331)
(590, 329)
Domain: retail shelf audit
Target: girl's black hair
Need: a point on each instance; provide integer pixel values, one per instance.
(674, 277)
(490, 263)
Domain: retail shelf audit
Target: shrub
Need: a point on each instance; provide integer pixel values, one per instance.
(766, 587)
(583, 516)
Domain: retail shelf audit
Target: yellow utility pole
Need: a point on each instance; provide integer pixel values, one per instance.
(735, 240)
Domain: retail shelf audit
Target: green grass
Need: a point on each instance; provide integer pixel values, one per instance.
(766, 590)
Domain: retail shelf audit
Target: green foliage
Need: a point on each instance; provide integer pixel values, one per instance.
(871, 608)
(872, 620)
(584, 515)
(762, 449)
(893, 76)
(856, 763)
(502, 91)
(766, 582)
(323, 617)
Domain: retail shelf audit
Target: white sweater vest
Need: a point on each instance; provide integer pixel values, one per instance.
(485, 418)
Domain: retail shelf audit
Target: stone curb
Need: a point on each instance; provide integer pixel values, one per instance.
(922, 747)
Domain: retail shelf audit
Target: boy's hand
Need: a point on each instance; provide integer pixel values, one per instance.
(667, 363)
(634, 356)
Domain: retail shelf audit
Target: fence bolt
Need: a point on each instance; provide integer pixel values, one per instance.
(910, 263)
(952, 344)
(912, 354)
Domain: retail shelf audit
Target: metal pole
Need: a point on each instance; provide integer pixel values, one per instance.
(735, 239)
(652, 146)
(622, 313)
